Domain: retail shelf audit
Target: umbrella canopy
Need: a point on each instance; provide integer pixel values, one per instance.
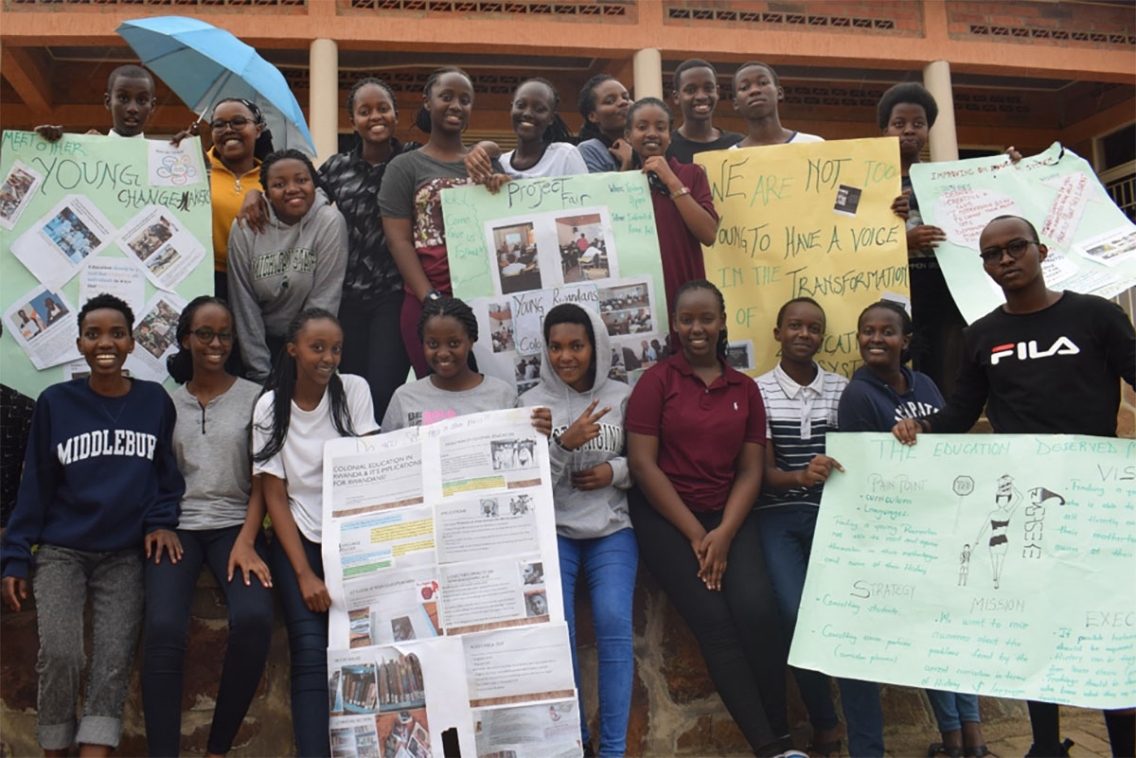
(203, 64)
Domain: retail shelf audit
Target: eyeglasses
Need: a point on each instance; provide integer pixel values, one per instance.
(237, 122)
(206, 335)
(1016, 248)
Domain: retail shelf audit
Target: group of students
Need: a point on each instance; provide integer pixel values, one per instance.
(339, 282)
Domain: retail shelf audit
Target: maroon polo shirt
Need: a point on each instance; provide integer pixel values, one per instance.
(700, 429)
(680, 251)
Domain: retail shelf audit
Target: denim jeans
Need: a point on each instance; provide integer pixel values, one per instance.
(307, 642)
(953, 709)
(787, 538)
(169, 592)
(608, 565)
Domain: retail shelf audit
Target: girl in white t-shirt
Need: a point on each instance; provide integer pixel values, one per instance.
(305, 404)
(543, 146)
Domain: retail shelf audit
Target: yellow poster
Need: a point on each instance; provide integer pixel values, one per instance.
(805, 220)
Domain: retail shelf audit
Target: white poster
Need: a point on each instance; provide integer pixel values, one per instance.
(163, 247)
(64, 240)
(44, 325)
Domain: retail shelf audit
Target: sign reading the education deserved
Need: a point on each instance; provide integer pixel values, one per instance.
(439, 548)
(91, 214)
(805, 220)
(996, 565)
(1092, 244)
(586, 239)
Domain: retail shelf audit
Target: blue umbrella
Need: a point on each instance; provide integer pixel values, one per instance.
(203, 64)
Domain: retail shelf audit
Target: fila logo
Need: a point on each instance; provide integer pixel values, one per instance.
(1027, 351)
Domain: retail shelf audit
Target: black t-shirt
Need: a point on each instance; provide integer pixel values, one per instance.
(684, 150)
(1056, 371)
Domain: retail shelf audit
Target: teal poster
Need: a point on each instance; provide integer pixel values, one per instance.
(91, 214)
(998, 565)
(588, 239)
(1092, 244)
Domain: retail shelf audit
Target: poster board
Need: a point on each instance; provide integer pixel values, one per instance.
(811, 219)
(91, 214)
(588, 239)
(1092, 244)
(439, 549)
(996, 565)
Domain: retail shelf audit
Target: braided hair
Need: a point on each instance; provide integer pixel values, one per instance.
(905, 322)
(180, 364)
(587, 106)
(702, 284)
(363, 83)
(282, 383)
(437, 305)
(295, 155)
(262, 148)
(422, 120)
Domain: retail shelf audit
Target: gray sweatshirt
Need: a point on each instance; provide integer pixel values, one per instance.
(587, 514)
(275, 275)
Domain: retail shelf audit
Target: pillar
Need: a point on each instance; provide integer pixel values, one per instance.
(323, 98)
(648, 66)
(944, 137)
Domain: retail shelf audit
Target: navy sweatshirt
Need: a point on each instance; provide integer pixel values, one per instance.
(99, 474)
(870, 405)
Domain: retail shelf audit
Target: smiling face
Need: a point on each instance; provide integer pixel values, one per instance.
(446, 344)
(571, 353)
(209, 355)
(534, 107)
(882, 340)
(234, 143)
(105, 341)
(1009, 273)
(290, 189)
(317, 350)
(374, 116)
(698, 320)
(908, 122)
(756, 92)
(649, 131)
(450, 102)
(611, 105)
(130, 100)
(801, 332)
(697, 94)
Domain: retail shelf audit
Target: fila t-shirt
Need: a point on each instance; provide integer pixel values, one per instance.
(1055, 371)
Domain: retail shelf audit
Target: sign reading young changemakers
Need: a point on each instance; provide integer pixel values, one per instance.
(587, 239)
(998, 565)
(91, 214)
(805, 220)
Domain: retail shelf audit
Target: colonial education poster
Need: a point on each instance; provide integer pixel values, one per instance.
(811, 220)
(998, 565)
(91, 214)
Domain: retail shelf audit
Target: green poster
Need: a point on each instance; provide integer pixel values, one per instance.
(997, 565)
(91, 214)
(588, 239)
(1092, 244)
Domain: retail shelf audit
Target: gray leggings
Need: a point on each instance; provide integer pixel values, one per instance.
(63, 579)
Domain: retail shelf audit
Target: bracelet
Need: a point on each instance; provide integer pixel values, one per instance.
(923, 424)
(560, 443)
(680, 192)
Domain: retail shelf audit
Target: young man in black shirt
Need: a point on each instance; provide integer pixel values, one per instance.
(1046, 362)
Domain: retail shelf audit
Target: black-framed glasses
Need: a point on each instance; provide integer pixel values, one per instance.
(237, 122)
(206, 335)
(1016, 248)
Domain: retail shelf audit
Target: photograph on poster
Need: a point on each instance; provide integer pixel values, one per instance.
(739, 355)
(155, 332)
(360, 688)
(584, 248)
(400, 683)
(16, 191)
(41, 324)
(73, 238)
(536, 604)
(391, 606)
(528, 372)
(161, 261)
(405, 733)
(148, 239)
(355, 737)
(631, 321)
(532, 572)
(501, 326)
(518, 265)
(513, 455)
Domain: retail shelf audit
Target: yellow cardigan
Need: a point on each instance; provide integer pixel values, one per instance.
(228, 193)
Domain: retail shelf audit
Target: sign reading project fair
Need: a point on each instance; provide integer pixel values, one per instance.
(805, 220)
(588, 239)
(997, 565)
(87, 215)
(439, 549)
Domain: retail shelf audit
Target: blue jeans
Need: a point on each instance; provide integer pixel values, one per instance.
(787, 538)
(169, 592)
(609, 565)
(307, 642)
(953, 709)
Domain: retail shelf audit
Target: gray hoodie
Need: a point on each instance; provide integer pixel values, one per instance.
(275, 275)
(587, 514)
